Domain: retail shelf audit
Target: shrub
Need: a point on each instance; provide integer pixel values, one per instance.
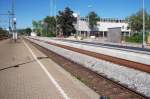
(135, 38)
(51, 35)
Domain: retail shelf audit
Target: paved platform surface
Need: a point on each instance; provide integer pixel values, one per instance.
(22, 75)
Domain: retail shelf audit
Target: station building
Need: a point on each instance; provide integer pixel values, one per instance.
(101, 29)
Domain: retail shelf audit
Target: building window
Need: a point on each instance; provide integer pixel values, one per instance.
(98, 25)
(123, 27)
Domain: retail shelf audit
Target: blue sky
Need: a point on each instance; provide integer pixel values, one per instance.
(28, 10)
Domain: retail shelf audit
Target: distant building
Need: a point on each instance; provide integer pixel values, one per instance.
(33, 34)
(102, 27)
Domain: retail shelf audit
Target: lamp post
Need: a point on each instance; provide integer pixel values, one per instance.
(143, 44)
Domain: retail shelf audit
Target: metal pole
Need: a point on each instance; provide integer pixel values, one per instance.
(12, 11)
(46, 29)
(55, 8)
(51, 7)
(89, 6)
(9, 13)
(9, 24)
(14, 21)
(143, 45)
(88, 20)
(78, 22)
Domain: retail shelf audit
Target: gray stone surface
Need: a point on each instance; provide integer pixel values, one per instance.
(29, 81)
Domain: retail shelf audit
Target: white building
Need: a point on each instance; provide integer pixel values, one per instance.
(33, 34)
(101, 29)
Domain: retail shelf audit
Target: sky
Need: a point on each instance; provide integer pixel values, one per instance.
(28, 10)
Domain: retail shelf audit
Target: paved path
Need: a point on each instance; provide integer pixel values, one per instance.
(26, 73)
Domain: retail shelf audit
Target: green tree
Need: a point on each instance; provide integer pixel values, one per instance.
(148, 23)
(65, 21)
(3, 33)
(37, 27)
(28, 31)
(136, 21)
(50, 25)
(93, 18)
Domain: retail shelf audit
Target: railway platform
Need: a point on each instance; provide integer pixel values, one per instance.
(27, 73)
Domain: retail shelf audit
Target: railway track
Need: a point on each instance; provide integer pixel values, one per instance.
(3, 38)
(99, 83)
(115, 60)
(113, 46)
